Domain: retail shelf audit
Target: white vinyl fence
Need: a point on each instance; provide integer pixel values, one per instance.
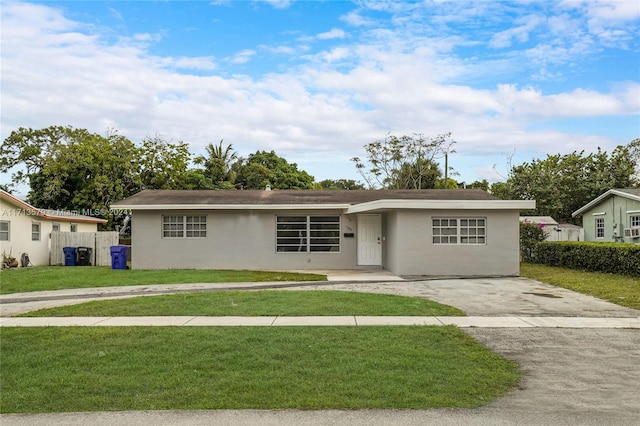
(99, 242)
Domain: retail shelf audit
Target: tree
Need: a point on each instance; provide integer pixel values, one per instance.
(406, 162)
(483, 184)
(164, 165)
(340, 184)
(501, 190)
(218, 165)
(86, 172)
(266, 168)
(73, 169)
(561, 184)
(633, 149)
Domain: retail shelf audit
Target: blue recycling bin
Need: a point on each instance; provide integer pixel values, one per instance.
(118, 257)
(70, 256)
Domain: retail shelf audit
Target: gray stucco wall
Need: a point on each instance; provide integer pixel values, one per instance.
(235, 240)
(246, 240)
(412, 252)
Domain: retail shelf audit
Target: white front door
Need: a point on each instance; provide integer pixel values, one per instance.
(370, 239)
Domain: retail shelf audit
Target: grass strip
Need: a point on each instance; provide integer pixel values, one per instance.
(70, 369)
(42, 278)
(619, 289)
(257, 303)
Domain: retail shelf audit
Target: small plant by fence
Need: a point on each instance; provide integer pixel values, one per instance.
(99, 242)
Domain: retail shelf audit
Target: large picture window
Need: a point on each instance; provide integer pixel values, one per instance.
(459, 230)
(308, 234)
(184, 226)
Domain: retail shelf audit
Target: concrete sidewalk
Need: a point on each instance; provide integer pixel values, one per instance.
(287, 321)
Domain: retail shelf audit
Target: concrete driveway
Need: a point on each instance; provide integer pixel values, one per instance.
(572, 376)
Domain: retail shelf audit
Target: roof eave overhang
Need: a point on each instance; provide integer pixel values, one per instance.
(382, 205)
(134, 207)
(29, 210)
(602, 197)
(379, 205)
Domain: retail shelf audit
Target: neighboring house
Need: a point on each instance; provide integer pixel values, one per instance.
(27, 229)
(407, 232)
(613, 216)
(556, 231)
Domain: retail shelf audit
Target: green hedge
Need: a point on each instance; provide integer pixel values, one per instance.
(614, 258)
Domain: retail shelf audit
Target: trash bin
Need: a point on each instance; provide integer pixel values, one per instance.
(84, 256)
(118, 257)
(69, 256)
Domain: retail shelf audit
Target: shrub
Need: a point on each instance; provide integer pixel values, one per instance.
(614, 258)
(530, 235)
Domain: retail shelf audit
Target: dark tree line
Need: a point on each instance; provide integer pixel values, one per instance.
(74, 169)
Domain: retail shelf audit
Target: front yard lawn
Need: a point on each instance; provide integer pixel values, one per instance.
(41, 278)
(67, 369)
(257, 303)
(619, 289)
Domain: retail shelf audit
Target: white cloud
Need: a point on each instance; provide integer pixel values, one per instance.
(243, 56)
(333, 33)
(520, 33)
(320, 112)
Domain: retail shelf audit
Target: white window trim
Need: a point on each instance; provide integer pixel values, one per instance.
(596, 222)
(458, 235)
(634, 218)
(183, 225)
(38, 232)
(8, 231)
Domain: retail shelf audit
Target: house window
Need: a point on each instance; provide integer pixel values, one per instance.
(35, 231)
(459, 230)
(634, 221)
(4, 230)
(55, 227)
(73, 227)
(184, 226)
(599, 228)
(308, 234)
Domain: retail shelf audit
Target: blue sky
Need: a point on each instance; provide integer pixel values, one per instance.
(315, 81)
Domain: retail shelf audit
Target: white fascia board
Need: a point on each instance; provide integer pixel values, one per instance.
(443, 205)
(230, 207)
(597, 200)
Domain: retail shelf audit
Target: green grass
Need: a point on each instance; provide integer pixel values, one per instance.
(257, 303)
(41, 278)
(67, 369)
(619, 289)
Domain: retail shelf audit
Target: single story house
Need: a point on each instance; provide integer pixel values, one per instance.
(407, 232)
(613, 216)
(556, 231)
(27, 229)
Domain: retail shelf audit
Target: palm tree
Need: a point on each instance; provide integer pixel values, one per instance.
(218, 162)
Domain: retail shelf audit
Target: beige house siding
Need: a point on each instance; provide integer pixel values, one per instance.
(20, 217)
